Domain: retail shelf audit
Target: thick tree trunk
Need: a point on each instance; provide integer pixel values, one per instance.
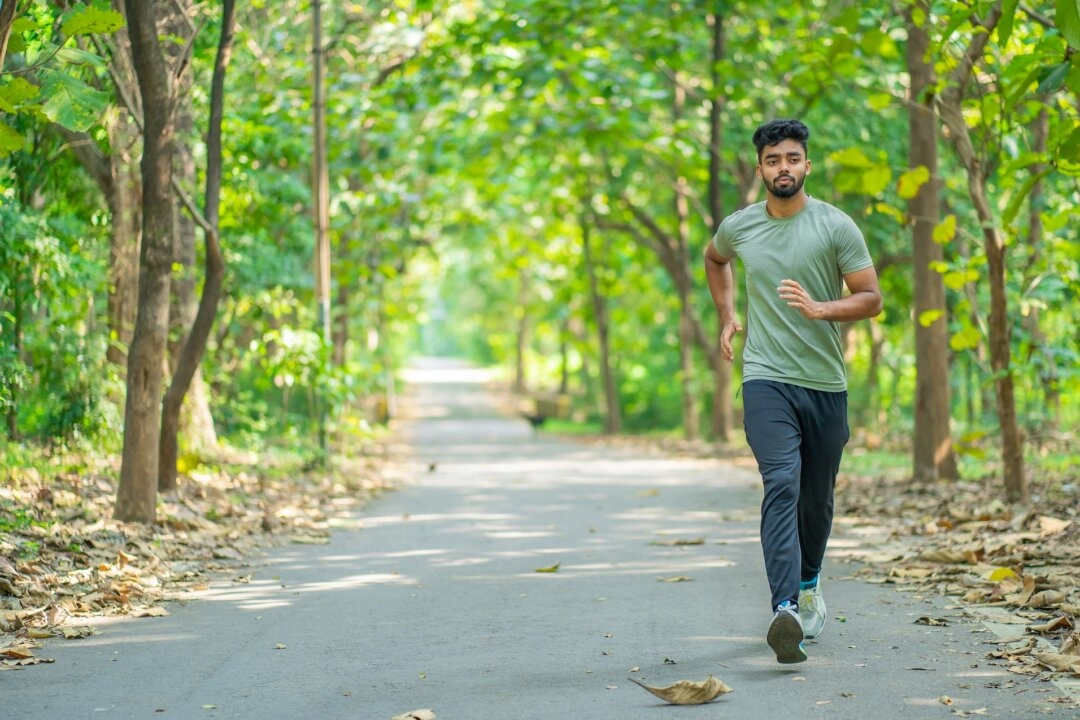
(137, 491)
(933, 456)
(722, 420)
(125, 240)
(195, 344)
(612, 406)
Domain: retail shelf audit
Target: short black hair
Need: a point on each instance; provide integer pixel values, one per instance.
(775, 132)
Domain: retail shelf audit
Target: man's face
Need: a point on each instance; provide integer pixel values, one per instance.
(783, 168)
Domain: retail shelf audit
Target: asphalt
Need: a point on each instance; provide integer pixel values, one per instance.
(430, 597)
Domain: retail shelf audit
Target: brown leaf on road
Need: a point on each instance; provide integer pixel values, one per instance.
(687, 692)
(156, 611)
(1062, 622)
(1058, 662)
(1046, 598)
(424, 714)
(933, 622)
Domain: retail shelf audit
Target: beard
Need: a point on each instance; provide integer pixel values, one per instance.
(785, 191)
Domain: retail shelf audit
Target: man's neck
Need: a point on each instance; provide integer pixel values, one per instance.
(785, 207)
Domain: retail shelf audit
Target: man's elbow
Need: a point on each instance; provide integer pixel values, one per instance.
(877, 305)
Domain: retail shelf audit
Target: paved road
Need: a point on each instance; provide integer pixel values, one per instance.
(435, 602)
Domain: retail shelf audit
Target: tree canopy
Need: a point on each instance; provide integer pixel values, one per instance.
(506, 180)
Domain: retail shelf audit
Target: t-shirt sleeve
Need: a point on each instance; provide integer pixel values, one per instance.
(852, 254)
(722, 239)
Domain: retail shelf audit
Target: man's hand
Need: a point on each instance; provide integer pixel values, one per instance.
(730, 328)
(796, 296)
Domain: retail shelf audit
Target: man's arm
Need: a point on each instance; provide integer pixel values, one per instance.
(722, 288)
(863, 302)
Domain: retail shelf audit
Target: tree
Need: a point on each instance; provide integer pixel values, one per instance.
(978, 169)
(932, 452)
(195, 344)
(137, 490)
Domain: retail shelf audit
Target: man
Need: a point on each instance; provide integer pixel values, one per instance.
(797, 254)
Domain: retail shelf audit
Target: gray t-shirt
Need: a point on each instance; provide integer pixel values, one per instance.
(816, 247)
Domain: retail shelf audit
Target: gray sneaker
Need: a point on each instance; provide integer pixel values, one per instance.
(786, 635)
(812, 611)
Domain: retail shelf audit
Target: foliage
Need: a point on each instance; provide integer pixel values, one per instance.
(472, 145)
(40, 81)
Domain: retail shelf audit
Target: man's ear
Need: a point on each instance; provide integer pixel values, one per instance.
(809, 167)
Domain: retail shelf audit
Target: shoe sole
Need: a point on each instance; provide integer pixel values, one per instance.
(785, 638)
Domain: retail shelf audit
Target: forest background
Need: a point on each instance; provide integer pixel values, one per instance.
(525, 184)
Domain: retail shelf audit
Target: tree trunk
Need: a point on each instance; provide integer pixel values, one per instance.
(1000, 353)
(195, 344)
(933, 456)
(136, 494)
(196, 420)
(124, 196)
(680, 253)
(17, 352)
(7, 16)
(520, 378)
(1048, 369)
(951, 107)
(612, 406)
(722, 420)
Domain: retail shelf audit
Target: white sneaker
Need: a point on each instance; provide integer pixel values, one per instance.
(786, 635)
(812, 611)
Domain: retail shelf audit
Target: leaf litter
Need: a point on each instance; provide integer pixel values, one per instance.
(64, 560)
(1008, 564)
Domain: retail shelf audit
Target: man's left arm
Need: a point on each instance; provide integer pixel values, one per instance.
(863, 302)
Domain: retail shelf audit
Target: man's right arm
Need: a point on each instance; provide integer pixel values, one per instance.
(722, 288)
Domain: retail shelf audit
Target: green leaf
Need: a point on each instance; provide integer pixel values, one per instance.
(909, 183)
(89, 19)
(10, 140)
(880, 101)
(1005, 25)
(15, 93)
(1013, 208)
(967, 339)
(1053, 77)
(945, 230)
(1070, 149)
(71, 102)
(929, 317)
(1067, 20)
(889, 210)
(957, 279)
(76, 56)
(851, 157)
(876, 179)
(23, 24)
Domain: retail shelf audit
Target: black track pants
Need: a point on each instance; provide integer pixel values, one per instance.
(798, 437)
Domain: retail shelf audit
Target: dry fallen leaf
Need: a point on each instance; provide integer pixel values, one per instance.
(423, 714)
(687, 692)
(1058, 662)
(1062, 622)
(156, 611)
(1046, 598)
(676, 579)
